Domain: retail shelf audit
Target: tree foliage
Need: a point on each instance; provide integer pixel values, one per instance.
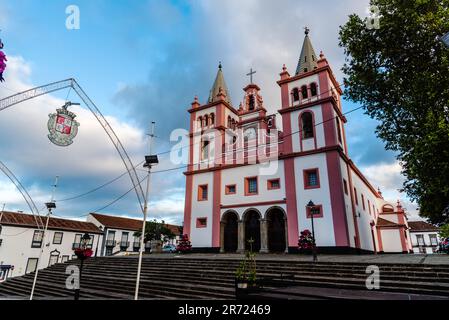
(400, 74)
(444, 231)
(156, 231)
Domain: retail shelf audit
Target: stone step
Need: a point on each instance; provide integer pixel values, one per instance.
(442, 276)
(120, 284)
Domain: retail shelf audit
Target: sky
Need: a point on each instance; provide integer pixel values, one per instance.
(143, 61)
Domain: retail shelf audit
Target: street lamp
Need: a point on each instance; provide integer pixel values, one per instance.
(83, 252)
(313, 210)
(150, 161)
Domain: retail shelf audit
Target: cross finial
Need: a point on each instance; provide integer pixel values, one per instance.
(306, 30)
(220, 66)
(250, 74)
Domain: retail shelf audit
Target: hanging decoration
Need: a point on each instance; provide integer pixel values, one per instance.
(62, 126)
(2, 61)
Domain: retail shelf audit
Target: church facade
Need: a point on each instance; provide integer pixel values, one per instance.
(250, 184)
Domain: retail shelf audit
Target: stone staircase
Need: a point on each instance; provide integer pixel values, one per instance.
(169, 277)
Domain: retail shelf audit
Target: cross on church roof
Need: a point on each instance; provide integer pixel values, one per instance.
(250, 74)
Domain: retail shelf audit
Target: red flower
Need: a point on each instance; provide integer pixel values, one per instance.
(83, 253)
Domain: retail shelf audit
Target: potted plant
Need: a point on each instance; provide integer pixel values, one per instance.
(184, 245)
(246, 275)
(305, 242)
(83, 254)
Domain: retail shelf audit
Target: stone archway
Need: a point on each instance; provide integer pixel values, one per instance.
(252, 219)
(229, 232)
(276, 230)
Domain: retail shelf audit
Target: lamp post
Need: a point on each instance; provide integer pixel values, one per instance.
(82, 254)
(312, 210)
(150, 160)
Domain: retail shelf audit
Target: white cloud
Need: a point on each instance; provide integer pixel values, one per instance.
(26, 150)
(388, 177)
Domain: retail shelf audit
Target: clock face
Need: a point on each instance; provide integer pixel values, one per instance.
(250, 133)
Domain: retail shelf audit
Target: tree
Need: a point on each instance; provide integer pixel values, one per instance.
(400, 74)
(444, 231)
(156, 231)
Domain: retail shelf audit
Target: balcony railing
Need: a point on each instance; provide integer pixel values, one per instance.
(124, 244)
(111, 243)
(77, 245)
(36, 244)
(136, 244)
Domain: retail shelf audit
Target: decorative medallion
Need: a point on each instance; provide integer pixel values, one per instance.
(63, 127)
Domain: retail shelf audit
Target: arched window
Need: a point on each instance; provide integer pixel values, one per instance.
(229, 122)
(251, 103)
(212, 119)
(338, 130)
(205, 150)
(313, 89)
(233, 124)
(307, 125)
(304, 93)
(295, 94)
(206, 120)
(200, 122)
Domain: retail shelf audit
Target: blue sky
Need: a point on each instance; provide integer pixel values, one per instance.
(143, 61)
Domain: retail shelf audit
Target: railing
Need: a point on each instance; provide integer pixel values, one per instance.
(76, 245)
(124, 244)
(36, 244)
(111, 243)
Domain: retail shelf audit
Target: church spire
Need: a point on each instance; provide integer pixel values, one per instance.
(308, 59)
(219, 87)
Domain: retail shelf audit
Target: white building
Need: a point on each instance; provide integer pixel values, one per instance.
(119, 233)
(21, 241)
(247, 181)
(425, 237)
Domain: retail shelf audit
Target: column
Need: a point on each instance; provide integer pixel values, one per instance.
(241, 237)
(286, 234)
(222, 229)
(263, 236)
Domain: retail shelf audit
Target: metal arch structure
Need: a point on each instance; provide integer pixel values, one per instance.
(71, 83)
(24, 193)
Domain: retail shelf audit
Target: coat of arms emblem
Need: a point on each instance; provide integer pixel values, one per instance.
(62, 126)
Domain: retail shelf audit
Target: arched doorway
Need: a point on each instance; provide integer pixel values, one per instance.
(252, 230)
(276, 230)
(230, 231)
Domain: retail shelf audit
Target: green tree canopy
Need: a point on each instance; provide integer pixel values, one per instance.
(444, 231)
(155, 231)
(400, 74)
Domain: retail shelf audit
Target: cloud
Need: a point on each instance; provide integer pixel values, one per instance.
(182, 43)
(92, 159)
(388, 177)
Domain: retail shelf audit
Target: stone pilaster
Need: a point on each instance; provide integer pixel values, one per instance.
(286, 235)
(241, 237)
(263, 236)
(222, 231)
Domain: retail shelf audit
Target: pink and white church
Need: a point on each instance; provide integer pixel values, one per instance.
(249, 180)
